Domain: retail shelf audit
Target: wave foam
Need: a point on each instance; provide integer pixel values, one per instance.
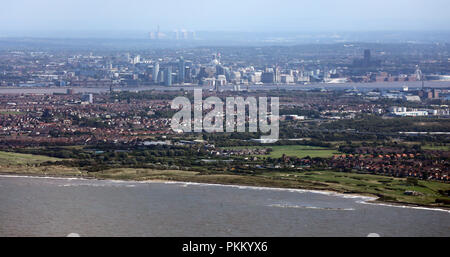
(309, 207)
(362, 199)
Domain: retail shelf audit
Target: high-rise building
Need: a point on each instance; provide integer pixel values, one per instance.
(168, 78)
(220, 70)
(188, 72)
(155, 72)
(161, 76)
(366, 61)
(184, 34)
(181, 70)
(276, 76)
(236, 76)
(135, 60)
(268, 77)
(202, 73)
(435, 94)
(286, 78)
(367, 57)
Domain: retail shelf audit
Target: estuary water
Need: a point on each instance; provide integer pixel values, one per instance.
(413, 85)
(36, 206)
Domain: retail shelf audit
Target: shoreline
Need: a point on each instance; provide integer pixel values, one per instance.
(366, 198)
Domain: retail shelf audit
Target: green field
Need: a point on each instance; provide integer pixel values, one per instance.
(437, 147)
(9, 158)
(387, 188)
(299, 151)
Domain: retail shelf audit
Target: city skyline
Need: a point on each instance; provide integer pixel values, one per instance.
(225, 123)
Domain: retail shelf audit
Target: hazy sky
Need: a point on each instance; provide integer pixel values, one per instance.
(237, 15)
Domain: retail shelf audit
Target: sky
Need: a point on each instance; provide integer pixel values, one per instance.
(224, 15)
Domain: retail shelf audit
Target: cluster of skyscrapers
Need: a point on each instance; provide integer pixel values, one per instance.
(214, 73)
(178, 34)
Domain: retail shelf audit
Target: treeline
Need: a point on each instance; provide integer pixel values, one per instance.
(144, 95)
(312, 114)
(105, 156)
(372, 123)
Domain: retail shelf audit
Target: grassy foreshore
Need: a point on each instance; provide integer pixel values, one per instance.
(387, 189)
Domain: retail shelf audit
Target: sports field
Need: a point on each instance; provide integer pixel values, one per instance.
(294, 150)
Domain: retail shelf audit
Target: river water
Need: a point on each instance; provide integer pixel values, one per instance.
(361, 86)
(32, 206)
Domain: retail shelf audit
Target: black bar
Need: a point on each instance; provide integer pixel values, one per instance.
(233, 246)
